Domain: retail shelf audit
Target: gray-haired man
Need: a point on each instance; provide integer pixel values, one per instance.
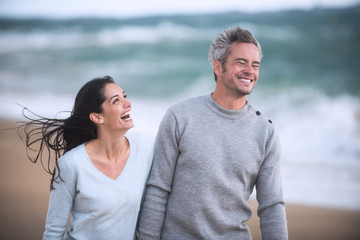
(210, 153)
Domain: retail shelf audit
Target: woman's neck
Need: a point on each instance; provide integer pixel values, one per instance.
(111, 149)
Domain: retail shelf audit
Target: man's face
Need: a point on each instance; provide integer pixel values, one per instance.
(241, 69)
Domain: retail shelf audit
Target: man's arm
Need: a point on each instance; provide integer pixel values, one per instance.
(166, 153)
(271, 208)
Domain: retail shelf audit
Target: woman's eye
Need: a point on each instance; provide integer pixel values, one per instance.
(125, 95)
(115, 101)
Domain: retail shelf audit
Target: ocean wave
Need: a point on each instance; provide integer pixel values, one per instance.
(319, 135)
(75, 37)
(272, 32)
(15, 41)
(313, 126)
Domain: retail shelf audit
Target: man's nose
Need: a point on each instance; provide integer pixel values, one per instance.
(249, 69)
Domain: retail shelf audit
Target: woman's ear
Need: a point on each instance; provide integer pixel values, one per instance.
(96, 118)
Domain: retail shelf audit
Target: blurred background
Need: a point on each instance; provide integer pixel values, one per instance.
(309, 81)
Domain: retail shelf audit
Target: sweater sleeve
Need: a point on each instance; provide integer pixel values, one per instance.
(271, 208)
(159, 185)
(61, 198)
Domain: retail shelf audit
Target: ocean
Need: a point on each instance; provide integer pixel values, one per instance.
(309, 80)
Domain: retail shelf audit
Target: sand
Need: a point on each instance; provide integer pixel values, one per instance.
(24, 195)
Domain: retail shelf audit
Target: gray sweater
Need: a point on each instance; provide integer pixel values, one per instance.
(207, 161)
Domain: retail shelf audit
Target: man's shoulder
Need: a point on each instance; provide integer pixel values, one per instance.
(190, 103)
(260, 116)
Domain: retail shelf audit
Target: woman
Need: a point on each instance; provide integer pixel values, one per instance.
(100, 178)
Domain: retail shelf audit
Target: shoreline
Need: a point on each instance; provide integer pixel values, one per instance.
(24, 195)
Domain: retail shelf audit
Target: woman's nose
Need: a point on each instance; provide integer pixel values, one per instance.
(127, 103)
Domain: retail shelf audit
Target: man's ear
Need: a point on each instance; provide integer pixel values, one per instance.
(217, 67)
(96, 118)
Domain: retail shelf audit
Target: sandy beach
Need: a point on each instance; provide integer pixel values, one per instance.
(24, 194)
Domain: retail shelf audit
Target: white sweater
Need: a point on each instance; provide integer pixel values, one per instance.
(101, 208)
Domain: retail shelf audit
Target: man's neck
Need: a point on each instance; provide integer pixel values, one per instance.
(229, 102)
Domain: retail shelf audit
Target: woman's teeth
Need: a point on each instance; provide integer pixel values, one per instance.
(125, 115)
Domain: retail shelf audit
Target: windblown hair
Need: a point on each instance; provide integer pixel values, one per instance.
(220, 48)
(54, 137)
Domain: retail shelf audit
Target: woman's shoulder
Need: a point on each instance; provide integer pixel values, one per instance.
(140, 140)
(141, 144)
(72, 157)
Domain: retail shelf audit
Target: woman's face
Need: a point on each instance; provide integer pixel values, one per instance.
(116, 109)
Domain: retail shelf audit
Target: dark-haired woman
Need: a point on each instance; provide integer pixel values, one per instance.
(100, 178)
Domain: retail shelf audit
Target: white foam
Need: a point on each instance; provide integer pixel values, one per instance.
(320, 137)
(14, 41)
(314, 127)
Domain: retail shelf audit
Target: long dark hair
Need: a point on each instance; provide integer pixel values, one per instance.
(58, 136)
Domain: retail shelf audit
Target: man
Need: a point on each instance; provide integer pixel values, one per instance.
(211, 151)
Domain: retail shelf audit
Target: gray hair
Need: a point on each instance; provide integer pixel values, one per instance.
(220, 47)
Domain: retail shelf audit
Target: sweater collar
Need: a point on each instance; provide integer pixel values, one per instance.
(227, 113)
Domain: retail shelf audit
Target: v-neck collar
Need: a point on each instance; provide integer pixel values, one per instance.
(101, 174)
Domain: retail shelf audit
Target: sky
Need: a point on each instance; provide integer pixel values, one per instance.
(131, 8)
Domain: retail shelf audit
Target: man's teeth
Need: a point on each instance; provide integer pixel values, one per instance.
(245, 80)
